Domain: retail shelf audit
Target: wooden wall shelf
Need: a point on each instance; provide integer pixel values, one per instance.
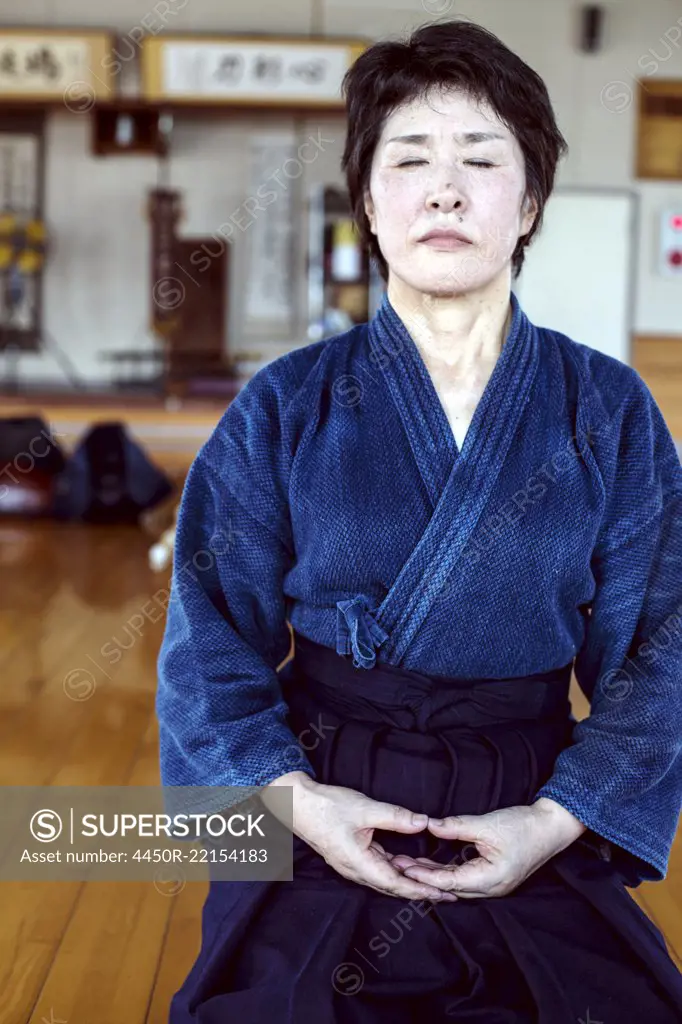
(127, 128)
(659, 123)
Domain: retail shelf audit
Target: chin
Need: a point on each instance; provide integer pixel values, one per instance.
(448, 273)
(445, 283)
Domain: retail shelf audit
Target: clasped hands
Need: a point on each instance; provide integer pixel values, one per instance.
(510, 843)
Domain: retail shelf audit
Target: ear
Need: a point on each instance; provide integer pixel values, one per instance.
(369, 210)
(529, 211)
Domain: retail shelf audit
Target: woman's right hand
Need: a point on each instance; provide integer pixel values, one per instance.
(338, 823)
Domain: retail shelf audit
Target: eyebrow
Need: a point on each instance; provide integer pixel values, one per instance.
(466, 138)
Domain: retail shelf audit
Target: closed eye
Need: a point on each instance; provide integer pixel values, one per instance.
(472, 163)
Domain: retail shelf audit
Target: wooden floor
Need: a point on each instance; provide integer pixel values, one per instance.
(107, 952)
(98, 952)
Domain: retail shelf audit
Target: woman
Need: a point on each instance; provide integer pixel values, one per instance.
(451, 507)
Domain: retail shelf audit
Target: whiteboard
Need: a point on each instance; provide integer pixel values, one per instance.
(578, 275)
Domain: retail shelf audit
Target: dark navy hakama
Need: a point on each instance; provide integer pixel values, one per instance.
(567, 945)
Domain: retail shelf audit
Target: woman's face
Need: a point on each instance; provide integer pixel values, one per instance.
(447, 162)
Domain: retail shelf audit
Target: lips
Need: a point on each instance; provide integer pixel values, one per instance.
(445, 239)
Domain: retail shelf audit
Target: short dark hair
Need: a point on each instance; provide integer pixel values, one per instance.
(452, 54)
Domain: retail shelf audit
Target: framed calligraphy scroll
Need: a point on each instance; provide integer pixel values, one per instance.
(66, 66)
(23, 234)
(247, 71)
(269, 240)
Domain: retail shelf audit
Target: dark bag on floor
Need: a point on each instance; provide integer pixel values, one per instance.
(30, 460)
(109, 479)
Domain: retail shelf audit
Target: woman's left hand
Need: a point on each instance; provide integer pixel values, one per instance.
(512, 843)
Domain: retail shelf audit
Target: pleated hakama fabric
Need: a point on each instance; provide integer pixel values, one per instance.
(569, 944)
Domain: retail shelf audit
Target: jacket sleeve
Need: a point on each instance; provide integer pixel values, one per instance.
(622, 774)
(221, 715)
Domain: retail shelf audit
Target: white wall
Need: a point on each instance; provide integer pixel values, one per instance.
(97, 282)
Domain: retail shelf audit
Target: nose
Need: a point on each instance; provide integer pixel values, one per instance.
(446, 199)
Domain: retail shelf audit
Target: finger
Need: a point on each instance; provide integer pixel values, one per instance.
(475, 876)
(393, 817)
(384, 853)
(403, 860)
(466, 895)
(464, 826)
(374, 845)
(384, 876)
(438, 896)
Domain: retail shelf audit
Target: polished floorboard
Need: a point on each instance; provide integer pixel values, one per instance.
(77, 695)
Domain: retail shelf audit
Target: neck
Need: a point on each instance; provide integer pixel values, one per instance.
(460, 335)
